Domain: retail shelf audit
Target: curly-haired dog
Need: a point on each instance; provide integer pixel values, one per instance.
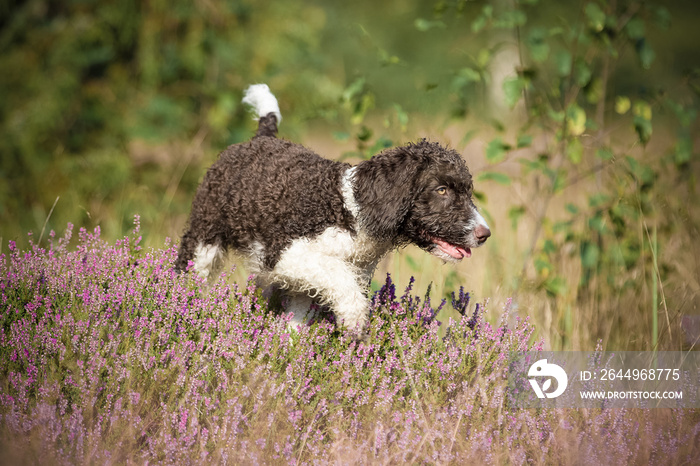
(317, 228)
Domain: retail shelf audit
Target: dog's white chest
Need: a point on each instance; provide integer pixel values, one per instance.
(357, 250)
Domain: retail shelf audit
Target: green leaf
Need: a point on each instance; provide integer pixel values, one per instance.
(597, 223)
(496, 150)
(353, 89)
(542, 266)
(555, 115)
(594, 91)
(642, 120)
(524, 140)
(635, 29)
(497, 125)
(643, 128)
(683, 151)
(576, 120)
(424, 25)
(500, 178)
(571, 208)
(622, 104)
(513, 90)
(598, 199)
(642, 172)
(574, 151)
(563, 61)
(590, 254)
(556, 31)
(582, 73)
(479, 23)
(483, 57)
(468, 136)
(595, 16)
(469, 75)
(341, 135)
(564, 226)
(662, 17)
(686, 115)
(642, 109)
(549, 247)
(510, 19)
(385, 58)
(401, 116)
(514, 214)
(558, 181)
(645, 53)
(555, 286)
(532, 165)
(537, 44)
(365, 103)
(364, 134)
(381, 144)
(604, 153)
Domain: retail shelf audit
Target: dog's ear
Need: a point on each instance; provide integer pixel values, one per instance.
(385, 188)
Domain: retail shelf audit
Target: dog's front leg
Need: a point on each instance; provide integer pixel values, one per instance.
(305, 268)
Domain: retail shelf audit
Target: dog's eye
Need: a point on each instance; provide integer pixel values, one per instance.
(442, 190)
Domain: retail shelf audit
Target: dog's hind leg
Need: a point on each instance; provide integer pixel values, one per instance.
(207, 259)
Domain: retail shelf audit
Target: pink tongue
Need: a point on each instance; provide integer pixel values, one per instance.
(451, 250)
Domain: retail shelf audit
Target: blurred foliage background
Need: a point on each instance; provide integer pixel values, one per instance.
(579, 119)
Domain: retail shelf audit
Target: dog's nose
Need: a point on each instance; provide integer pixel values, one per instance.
(482, 233)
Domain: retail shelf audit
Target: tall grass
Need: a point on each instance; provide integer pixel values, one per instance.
(108, 356)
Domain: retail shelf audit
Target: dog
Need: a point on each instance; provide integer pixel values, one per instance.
(316, 228)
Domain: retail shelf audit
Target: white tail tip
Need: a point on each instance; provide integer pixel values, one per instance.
(259, 97)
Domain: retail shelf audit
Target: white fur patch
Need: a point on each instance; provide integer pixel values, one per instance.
(480, 220)
(334, 268)
(348, 195)
(206, 258)
(259, 97)
(477, 220)
(435, 251)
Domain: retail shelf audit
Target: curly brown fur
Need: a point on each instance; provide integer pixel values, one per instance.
(396, 190)
(269, 191)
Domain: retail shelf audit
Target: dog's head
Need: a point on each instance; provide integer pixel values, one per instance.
(421, 193)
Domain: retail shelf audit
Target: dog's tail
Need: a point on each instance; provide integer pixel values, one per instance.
(266, 109)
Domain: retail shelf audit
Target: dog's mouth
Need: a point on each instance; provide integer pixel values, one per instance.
(453, 251)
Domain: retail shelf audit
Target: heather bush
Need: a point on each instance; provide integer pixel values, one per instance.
(108, 356)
